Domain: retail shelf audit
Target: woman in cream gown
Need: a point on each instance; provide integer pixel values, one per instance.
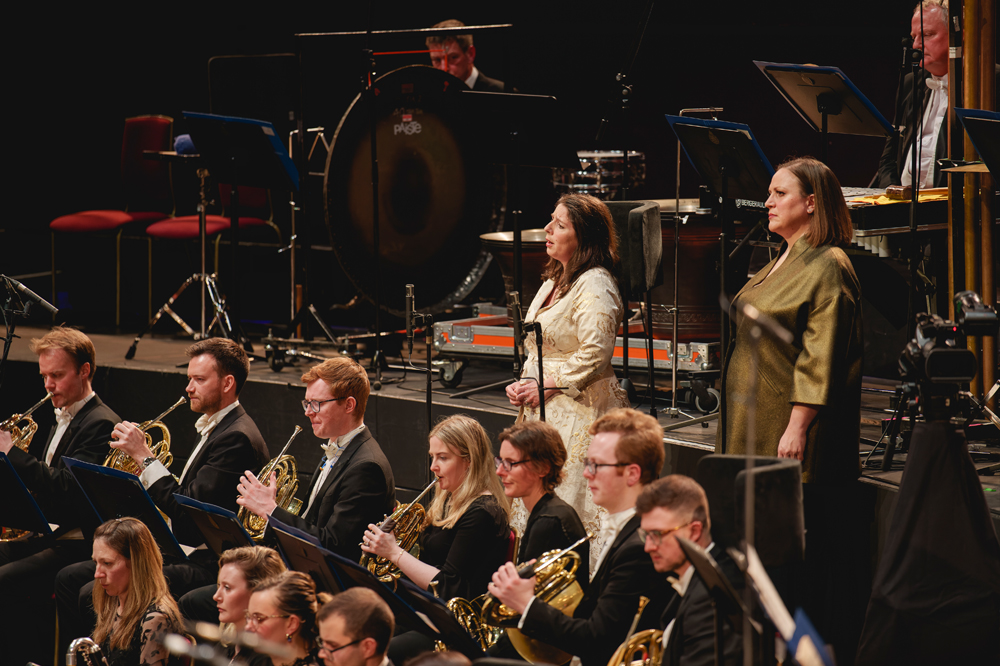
(579, 310)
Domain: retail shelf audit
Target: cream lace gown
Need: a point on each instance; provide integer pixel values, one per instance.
(578, 338)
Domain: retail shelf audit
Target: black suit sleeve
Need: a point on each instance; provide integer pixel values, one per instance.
(692, 642)
(596, 637)
(359, 499)
(214, 481)
(55, 487)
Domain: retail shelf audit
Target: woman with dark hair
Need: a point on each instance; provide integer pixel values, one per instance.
(808, 392)
(131, 600)
(530, 466)
(282, 609)
(579, 309)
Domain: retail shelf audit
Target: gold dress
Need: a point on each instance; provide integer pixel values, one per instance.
(578, 338)
(816, 295)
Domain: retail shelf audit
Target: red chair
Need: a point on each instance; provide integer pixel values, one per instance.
(147, 188)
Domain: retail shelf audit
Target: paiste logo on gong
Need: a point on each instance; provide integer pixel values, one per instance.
(408, 126)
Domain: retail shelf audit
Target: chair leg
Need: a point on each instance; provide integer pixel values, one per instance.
(118, 278)
(149, 278)
(52, 259)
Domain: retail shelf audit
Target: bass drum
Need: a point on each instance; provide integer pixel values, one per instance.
(435, 195)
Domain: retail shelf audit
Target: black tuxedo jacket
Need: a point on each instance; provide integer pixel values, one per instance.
(602, 620)
(87, 438)
(359, 490)
(486, 84)
(894, 154)
(692, 640)
(235, 446)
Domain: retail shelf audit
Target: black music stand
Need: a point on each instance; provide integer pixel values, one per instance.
(116, 494)
(221, 527)
(983, 127)
(303, 552)
(18, 509)
(241, 151)
(730, 161)
(827, 100)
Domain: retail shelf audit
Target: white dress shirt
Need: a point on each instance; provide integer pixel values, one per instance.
(204, 425)
(63, 418)
(471, 81)
(934, 115)
(333, 449)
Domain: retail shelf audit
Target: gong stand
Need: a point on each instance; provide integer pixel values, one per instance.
(624, 86)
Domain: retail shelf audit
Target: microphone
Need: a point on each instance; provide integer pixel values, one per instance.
(32, 295)
(409, 319)
(514, 317)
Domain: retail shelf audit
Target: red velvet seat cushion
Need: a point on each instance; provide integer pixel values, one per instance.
(185, 228)
(244, 221)
(101, 220)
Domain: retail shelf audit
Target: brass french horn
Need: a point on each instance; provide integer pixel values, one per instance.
(118, 459)
(646, 644)
(405, 523)
(555, 585)
(470, 615)
(21, 435)
(287, 482)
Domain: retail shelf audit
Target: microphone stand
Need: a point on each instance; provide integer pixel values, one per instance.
(527, 327)
(427, 321)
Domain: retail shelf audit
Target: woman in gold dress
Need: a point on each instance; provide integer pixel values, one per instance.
(579, 309)
(808, 393)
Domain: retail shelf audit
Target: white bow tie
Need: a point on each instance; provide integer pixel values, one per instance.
(332, 449)
(63, 417)
(937, 84)
(204, 424)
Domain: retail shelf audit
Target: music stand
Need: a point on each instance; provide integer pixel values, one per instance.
(221, 527)
(116, 494)
(983, 128)
(302, 552)
(826, 99)
(18, 509)
(729, 160)
(241, 151)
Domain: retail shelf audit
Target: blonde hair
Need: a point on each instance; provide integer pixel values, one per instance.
(295, 594)
(131, 539)
(71, 341)
(465, 438)
(256, 563)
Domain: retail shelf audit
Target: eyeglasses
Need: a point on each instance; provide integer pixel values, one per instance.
(507, 464)
(323, 645)
(657, 535)
(590, 467)
(255, 619)
(314, 405)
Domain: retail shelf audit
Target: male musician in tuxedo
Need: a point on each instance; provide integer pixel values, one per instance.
(932, 85)
(353, 484)
(456, 54)
(671, 507)
(354, 629)
(67, 363)
(229, 444)
(625, 456)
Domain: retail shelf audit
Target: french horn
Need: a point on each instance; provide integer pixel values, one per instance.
(405, 523)
(647, 644)
(21, 428)
(118, 459)
(555, 585)
(287, 482)
(22, 434)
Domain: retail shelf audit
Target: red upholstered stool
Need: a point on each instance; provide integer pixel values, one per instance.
(146, 186)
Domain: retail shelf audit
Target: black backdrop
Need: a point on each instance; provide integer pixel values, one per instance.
(83, 71)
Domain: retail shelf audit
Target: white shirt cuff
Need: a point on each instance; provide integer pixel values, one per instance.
(520, 623)
(153, 473)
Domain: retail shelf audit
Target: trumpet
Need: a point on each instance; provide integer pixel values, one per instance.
(21, 436)
(286, 481)
(555, 585)
(118, 459)
(405, 522)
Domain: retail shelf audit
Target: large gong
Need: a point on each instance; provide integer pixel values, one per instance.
(436, 196)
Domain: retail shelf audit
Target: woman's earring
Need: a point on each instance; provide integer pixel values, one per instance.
(289, 637)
